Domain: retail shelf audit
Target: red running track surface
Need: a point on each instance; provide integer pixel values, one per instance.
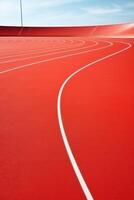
(97, 110)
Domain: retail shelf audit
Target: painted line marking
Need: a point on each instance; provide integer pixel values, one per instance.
(47, 54)
(52, 59)
(72, 159)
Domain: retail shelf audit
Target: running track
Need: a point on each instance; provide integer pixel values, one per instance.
(66, 122)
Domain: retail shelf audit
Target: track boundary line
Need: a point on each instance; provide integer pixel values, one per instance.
(52, 59)
(50, 53)
(71, 157)
(36, 51)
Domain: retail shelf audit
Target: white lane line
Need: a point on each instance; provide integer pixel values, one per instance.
(36, 50)
(72, 159)
(41, 53)
(32, 50)
(51, 53)
(52, 59)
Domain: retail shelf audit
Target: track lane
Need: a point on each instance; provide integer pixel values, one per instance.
(85, 118)
(21, 190)
(6, 70)
(34, 93)
(60, 119)
(48, 45)
(52, 52)
(17, 91)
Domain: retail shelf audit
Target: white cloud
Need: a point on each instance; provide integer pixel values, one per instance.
(64, 12)
(47, 3)
(52, 3)
(113, 9)
(103, 10)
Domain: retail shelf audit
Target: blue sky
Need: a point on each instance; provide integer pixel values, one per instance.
(67, 12)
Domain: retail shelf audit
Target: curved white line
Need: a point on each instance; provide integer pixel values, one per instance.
(28, 50)
(48, 54)
(52, 59)
(72, 159)
(50, 42)
(37, 51)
